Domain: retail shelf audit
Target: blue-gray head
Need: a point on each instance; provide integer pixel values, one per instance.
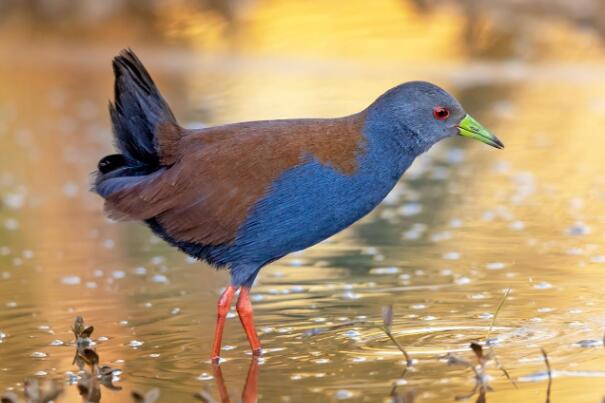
(418, 114)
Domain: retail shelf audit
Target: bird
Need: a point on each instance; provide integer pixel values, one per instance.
(242, 195)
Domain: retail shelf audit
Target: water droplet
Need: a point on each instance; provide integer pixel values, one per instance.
(71, 280)
(205, 377)
(135, 343)
(462, 280)
(589, 343)
(543, 285)
(343, 394)
(452, 256)
(350, 295)
(495, 266)
(410, 209)
(384, 270)
(160, 279)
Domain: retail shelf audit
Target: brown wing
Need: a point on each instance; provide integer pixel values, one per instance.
(220, 173)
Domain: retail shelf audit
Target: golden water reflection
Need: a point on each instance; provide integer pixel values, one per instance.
(465, 223)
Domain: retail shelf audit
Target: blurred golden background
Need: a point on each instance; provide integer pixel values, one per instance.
(464, 223)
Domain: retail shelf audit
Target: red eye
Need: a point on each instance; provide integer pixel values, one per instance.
(441, 113)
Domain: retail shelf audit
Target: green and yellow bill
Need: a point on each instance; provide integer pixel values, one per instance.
(469, 127)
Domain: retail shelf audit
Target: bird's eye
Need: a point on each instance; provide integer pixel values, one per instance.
(441, 113)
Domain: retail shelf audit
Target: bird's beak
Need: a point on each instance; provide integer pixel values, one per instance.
(469, 127)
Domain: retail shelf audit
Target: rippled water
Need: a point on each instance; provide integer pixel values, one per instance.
(465, 223)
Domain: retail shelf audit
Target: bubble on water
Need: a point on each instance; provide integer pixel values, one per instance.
(257, 297)
(108, 244)
(517, 225)
(91, 284)
(118, 274)
(322, 361)
(40, 373)
(140, 271)
(454, 156)
(589, 343)
(160, 279)
(11, 224)
(57, 342)
(352, 334)
(545, 310)
(228, 347)
(542, 285)
(2, 336)
(441, 236)
(11, 304)
(578, 228)
(157, 260)
(575, 251)
(136, 343)
(39, 354)
(455, 223)
(410, 209)
(384, 270)
(343, 394)
(231, 315)
(451, 256)
(154, 355)
(350, 295)
(123, 323)
(102, 338)
(462, 280)
(70, 280)
(175, 311)
(14, 200)
(495, 266)
(598, 259)
(428, 318)
(488, 215)
(205, 377)
(485, 315)
(359, 359)
(70, 189)
(297, 262)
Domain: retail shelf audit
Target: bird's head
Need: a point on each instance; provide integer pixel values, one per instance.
(425, 114)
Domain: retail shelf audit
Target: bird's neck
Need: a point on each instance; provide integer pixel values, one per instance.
(390, 133)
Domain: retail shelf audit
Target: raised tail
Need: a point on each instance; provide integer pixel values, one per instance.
(144, 128)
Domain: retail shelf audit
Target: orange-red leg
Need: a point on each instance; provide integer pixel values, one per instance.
(244, 310)
(224, 303)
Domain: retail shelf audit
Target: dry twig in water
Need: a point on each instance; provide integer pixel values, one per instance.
(549, 373)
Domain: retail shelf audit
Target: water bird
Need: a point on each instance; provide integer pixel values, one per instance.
(242, 195)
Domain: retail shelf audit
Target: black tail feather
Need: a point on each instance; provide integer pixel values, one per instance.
(138, 115)
(138, 110)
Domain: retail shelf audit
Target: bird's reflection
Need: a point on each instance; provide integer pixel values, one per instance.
(249, 394)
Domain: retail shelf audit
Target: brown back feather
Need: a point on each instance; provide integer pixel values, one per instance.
(217, 175)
